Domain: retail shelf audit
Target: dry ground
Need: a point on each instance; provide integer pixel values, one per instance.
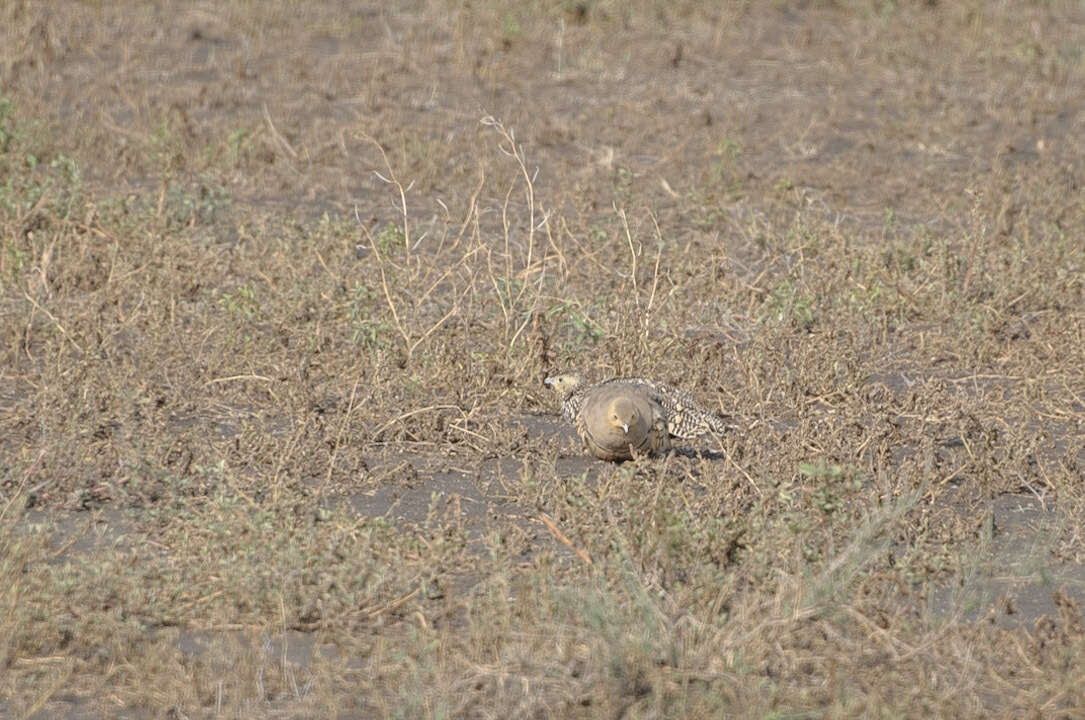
(279, 284)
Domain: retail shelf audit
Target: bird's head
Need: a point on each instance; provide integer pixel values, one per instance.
(622, 414)
(564, 385)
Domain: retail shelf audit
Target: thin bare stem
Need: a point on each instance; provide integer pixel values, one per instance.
(394, 180)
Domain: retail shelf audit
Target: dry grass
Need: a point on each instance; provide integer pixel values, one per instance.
(278, 288)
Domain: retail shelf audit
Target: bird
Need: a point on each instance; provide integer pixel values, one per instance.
(684, 416)
(618, 422)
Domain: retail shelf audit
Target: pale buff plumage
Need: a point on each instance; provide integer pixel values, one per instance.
(618, 422)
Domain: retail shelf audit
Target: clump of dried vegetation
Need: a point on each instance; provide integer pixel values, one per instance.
(279, 285)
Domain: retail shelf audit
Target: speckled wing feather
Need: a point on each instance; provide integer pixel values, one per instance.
(570, 406)
(685, 417)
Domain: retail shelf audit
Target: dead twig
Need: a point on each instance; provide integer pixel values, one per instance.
(55, 322)
(406, 415)
(282, 142)
(562, 538)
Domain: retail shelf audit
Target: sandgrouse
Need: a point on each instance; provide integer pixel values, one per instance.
(685, 417)
(618, 421)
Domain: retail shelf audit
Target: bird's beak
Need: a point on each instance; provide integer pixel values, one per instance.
(625, 427)
(548, 381)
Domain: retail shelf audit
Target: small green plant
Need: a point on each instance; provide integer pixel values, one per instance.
(623, 184)
(239, 145)
(785, 304)
(241, 301)
(389, 240)
(585, 331)
(7, 126)
(889, 220)
(834, 487)
(821, 469)
(369, 331)
(12, 261)
(511, 27)
(68, 167)
(724, 157)
(186, 208)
